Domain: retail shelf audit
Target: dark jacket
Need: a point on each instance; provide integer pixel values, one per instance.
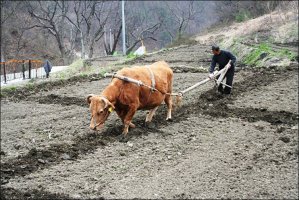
(47, 67)
(222, 60)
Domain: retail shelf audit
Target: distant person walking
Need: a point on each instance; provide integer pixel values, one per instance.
(222, 57)
(47, 67)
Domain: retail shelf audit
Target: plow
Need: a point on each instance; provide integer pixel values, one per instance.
(217, 77)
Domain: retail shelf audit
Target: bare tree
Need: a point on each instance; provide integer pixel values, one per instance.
(89, 20)
(8, 11)
(49, 15)
(144, 33)
(115, 25)
(141, 25)
(182, 13)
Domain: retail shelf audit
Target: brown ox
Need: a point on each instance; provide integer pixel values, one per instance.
(126, 97)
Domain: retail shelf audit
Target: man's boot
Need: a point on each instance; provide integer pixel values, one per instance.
(220, 89)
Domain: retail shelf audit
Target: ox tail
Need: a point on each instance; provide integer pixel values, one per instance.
(177, 101)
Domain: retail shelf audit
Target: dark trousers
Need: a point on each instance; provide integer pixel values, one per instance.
(229, 81)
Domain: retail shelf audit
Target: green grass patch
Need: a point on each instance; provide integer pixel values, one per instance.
(83, 75)
(258, 53)
(77, 64)
(30, 86)
(287, 53)
(131, 56)
(72, 70)
(264, 50)
(7, 90)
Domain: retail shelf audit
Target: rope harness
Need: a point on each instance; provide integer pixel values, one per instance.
(138, 82)
(152, 78)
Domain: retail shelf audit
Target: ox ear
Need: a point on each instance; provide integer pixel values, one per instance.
(88, 98)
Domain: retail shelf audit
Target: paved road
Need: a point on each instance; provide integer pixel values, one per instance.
(17, 79)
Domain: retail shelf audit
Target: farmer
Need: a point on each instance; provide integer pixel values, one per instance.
(222, 57)
(47, 67)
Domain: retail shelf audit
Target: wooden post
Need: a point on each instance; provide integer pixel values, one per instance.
(23, 69)
(35, 72)
(14, 70)
(29, 69)
(4, 72)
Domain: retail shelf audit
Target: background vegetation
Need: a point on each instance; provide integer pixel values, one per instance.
(65, 30)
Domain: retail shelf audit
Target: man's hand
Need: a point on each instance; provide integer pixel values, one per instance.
(229, 65)
(211, 76)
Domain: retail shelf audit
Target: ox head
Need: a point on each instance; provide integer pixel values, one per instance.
(100, 109)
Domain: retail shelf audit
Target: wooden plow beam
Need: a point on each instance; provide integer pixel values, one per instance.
(216, 73)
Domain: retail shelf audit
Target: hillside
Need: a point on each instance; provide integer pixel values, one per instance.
(267, 41)
(257, 42)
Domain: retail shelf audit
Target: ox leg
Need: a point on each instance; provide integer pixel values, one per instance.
(168, 101)
(128, 118)
(150, 115)
(91, 126)
(122, 116)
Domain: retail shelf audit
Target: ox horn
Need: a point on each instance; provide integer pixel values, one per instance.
(88, 98)
(107, 103)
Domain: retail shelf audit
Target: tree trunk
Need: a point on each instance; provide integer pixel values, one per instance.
(115, 42)
(82, 45)
(62, 33)
(61, 49)
(132, 47)
(91, 45)
(2, 53)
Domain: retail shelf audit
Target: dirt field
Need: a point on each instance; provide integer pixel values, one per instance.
(240, 146)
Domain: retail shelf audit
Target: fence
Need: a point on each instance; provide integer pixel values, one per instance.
(21, 69)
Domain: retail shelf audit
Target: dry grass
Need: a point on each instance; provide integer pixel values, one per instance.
(274, 20)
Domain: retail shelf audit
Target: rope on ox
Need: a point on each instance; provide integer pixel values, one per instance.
(137, 82)
(221, 73)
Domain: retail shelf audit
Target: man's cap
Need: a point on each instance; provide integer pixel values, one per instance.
(215, 48)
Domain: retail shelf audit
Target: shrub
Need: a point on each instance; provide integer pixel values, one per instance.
(182, 41)
(242, 16)
(131, 55)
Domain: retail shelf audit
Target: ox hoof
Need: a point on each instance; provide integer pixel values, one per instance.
(149, 125)
(132, 125)
(122, 138)
(169, 119)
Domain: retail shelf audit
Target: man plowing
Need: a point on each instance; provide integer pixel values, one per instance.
(222, 58)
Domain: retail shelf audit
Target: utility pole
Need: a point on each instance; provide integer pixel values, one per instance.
(123, 26)
(110, 40)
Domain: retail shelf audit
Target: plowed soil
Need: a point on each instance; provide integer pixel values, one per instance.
(244, 145)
